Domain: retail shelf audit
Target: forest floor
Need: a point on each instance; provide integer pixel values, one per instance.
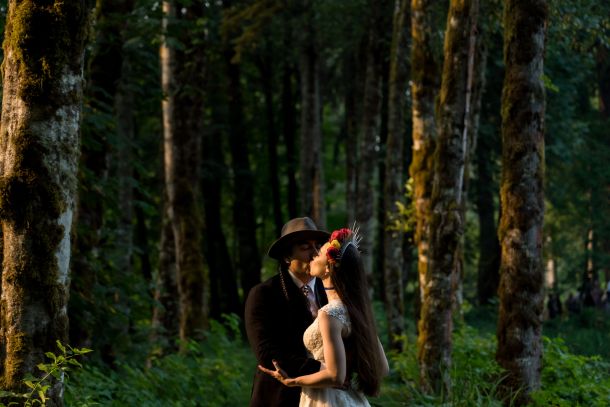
(219, 370)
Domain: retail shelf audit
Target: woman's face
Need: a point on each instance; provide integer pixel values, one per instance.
(317, 267)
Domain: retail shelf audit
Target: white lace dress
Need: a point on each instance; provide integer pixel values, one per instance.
(327, 397)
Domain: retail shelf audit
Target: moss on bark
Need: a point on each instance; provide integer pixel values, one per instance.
(44, 42)
(520, 231)
(40, 36)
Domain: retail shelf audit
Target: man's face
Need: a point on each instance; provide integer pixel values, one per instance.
(301, 254)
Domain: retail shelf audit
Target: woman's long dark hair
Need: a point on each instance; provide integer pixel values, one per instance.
(364, 359)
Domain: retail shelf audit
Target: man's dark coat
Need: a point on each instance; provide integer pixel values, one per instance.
(275, 326)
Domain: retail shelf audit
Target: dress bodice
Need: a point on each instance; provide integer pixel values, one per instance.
(312, 338)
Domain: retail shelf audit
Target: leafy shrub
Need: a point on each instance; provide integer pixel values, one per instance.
(216, 372)
(57, 369)
(572, 380)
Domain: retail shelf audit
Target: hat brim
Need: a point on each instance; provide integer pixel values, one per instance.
(277, 248)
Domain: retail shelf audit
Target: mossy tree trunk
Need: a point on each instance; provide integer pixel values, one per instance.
(394, 176)
(522, 198)
(424, 87)
(446, 223)
(313, 202)
(39, 141)
(182, 126)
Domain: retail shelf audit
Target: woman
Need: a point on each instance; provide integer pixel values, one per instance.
(343, 336)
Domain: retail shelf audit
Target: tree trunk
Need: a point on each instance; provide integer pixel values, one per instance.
(477, 60)
(603, 79)
(353, 75)
(166, 311)
(289, 127)
(223, 281)
(182, 112)
(488, 276)
(369, 128)
(312, 167)
(39, 145)
(289, 133)
(520, 232)
(265, 67)
(394, 178)
(446, 223)
(103, 77)
(124, 158)
(424, 87)
(244, 217)
(551, 268)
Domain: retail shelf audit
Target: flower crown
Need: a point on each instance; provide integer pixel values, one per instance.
(340, 240)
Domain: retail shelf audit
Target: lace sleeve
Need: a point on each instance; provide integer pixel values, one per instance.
(337, 312)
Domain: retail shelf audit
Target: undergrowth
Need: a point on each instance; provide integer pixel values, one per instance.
(219, 371)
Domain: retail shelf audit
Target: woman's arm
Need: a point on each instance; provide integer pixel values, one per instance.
(334, 357)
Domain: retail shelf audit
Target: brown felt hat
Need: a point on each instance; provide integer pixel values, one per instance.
(295, 230)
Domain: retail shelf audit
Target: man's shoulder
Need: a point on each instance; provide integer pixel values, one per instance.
(267, 286)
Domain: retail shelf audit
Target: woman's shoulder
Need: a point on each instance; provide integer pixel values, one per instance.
(337, 310)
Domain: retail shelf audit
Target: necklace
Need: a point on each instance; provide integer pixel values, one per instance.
(329, 288)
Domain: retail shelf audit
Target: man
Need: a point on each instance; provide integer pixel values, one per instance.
(280, 309)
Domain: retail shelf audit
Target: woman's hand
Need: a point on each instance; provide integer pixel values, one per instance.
(279, 374)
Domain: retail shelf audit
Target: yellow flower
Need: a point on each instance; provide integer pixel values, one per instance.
(335, 243)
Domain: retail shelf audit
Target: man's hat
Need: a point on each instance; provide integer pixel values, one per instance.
(297, 229)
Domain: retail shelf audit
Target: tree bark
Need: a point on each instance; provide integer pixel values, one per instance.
(182, 112)
(446, 223)
(477, 61)
(311, 164)
(353, 95)
(105, 71)
(265, 68)
(124, 103)
(166, 311)
(488, 276)
(522, 198)
(424, 87)
(394, 178)
(369, 141)
(39, 151)
(223, 280)
(289, 127)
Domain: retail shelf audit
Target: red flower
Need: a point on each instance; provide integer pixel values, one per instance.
(340, 234)
(331, 254)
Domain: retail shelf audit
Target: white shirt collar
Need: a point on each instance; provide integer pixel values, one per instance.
(299, 283)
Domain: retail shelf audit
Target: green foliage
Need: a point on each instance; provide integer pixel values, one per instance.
(572, 380)
(56, 370)
(215, 372)
(474, 373)
(403, 220)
